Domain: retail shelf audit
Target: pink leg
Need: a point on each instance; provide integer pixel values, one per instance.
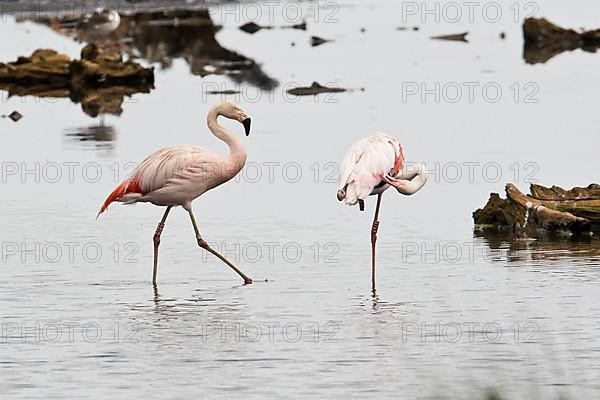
(202, 243)
(374, 230)
(156, 240)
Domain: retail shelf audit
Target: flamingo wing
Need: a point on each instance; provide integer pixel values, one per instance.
(169, 166)
(365, 165)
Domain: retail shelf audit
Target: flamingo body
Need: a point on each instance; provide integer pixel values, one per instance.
(176, 175)
(366, 164)
(371, 166)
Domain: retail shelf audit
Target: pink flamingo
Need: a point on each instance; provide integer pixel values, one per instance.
(176, 175)
(371, 166)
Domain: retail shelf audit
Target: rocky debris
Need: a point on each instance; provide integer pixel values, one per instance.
(544, 40)
(253, 27)
(300, 26)
(459, 37)
(56, 70)
(545, 210)
(99, 80)
(314, 89)
(15, 116)
(317, 41)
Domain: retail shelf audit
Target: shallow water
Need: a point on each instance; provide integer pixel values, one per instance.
(455, 314)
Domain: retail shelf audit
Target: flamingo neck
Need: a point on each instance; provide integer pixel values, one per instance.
(237, 147)
(411, 180)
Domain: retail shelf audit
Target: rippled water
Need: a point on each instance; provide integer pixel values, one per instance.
(456, 313)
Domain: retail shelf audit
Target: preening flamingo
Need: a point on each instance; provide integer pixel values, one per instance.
(176, 175)
(371, 166)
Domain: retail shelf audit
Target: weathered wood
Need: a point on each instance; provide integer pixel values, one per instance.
(583, 202)
(531, 214)
(556, 193)
(526, 214)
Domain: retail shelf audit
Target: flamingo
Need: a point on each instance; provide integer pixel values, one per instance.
(371, 166)
(176, 175)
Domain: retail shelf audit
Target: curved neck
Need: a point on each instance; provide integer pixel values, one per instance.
(411, 179)
(237, 147)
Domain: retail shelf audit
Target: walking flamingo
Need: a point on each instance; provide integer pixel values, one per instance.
(176, 175)
(371, 166)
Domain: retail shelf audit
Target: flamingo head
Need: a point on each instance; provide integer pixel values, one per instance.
(232, 110)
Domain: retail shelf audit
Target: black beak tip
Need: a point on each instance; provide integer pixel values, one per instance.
(247, 122)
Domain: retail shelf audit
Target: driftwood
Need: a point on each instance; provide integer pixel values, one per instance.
(546, 210)
(544, 40)
(99, 80)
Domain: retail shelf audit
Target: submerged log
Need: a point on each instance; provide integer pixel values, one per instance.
(544, 40)
(530, 215)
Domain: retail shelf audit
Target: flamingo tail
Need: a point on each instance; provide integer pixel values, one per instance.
(127, 192)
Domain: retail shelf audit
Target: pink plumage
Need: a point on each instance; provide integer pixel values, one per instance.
(371, 166)
(366, 164)
(176, 175)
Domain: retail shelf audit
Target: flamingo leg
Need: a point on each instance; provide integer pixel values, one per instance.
(156, 240)
(374, 230)
(202, 243)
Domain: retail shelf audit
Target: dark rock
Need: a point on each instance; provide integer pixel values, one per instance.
(317, 41)
(459, 37)
(301, 26)
(544, 40)
(15, 116)
(252, 27)
(314, 89)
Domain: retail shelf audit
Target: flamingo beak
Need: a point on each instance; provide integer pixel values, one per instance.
(247, 123)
